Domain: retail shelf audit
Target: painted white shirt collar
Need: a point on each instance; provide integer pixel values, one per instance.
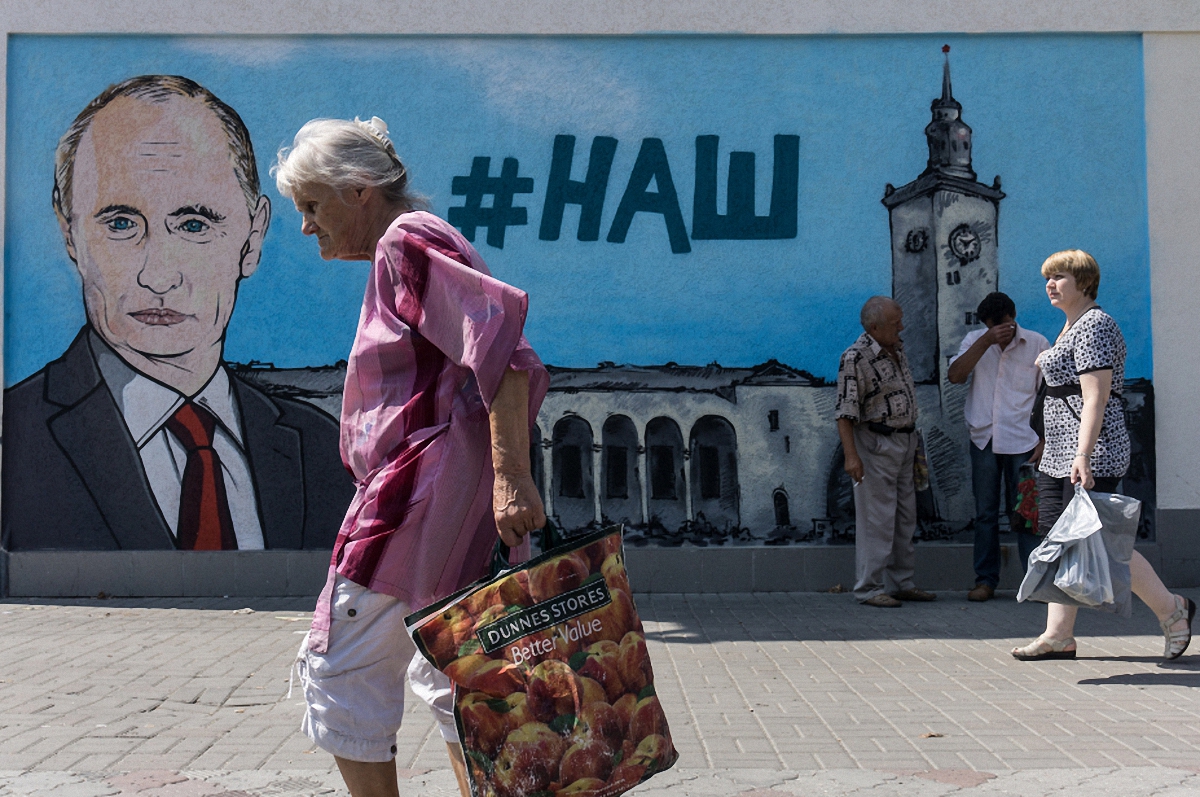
(146, 405)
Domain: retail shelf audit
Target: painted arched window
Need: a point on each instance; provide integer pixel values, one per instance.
(782, 516)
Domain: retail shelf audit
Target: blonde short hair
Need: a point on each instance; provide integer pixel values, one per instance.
(1080, 265)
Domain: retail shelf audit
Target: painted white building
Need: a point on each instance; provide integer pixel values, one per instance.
(736, 447)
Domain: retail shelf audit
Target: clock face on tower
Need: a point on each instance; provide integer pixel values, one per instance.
(964, 243)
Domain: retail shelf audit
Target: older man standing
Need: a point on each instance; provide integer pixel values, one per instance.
(876, 418)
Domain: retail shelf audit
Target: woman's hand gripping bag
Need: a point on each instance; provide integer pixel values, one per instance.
(554, 689)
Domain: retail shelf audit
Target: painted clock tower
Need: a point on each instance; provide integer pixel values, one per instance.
(943, 263)
(943, 242)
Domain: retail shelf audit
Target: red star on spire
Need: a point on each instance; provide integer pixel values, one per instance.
(945, 48)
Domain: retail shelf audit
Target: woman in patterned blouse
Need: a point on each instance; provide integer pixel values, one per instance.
(1087, 442)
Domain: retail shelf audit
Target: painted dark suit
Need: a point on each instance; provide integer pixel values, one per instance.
(73, 479)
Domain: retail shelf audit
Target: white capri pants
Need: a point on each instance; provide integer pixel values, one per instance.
(355, 692)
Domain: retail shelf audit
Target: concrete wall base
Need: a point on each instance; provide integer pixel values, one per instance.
(1178, 532)
(809, 569)
(172, 574)
(166, 574)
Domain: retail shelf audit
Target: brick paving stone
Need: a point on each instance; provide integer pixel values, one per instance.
(766, 694)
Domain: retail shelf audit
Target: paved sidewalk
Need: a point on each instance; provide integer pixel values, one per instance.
(769, 695)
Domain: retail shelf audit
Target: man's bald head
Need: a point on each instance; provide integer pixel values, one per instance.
(157, 89)
(875, 310)
(882, 319)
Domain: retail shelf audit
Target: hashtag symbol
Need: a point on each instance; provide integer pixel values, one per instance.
(501, 215)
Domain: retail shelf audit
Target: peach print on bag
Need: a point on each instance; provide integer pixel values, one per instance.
(555, 690)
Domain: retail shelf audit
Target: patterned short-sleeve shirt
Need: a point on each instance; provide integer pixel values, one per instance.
(1093, 343)
(872, 386)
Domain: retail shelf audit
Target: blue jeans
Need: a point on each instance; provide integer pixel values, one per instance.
(987, 472)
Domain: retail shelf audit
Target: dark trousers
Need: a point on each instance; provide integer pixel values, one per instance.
(994, 478)
(1054, 495)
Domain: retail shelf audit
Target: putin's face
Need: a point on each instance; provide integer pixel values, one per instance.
(160, 229)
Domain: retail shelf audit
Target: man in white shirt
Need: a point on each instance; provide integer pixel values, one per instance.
(139, 436)
(1000, 362)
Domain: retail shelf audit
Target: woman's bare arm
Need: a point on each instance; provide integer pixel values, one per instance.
(515, 500)
(1096, 387)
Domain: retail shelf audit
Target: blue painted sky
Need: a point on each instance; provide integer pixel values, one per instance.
(1060, 118)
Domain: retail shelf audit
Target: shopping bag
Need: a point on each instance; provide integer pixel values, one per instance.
(554, 690)
(1083, 571)
(1024, 515)
(1085, 557)
(1083, 562)
(1119, 516)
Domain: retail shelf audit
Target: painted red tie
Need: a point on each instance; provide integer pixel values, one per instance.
(204, 520)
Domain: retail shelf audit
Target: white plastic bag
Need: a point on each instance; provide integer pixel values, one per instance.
(1084, 559)
(1083, 572)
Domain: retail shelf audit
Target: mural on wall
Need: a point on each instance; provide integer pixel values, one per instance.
(139, 436)
(662, 200)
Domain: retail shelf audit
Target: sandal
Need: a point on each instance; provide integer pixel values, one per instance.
(1178, 641)
(1041, 649)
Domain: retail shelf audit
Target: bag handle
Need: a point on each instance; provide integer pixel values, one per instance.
(552, 537)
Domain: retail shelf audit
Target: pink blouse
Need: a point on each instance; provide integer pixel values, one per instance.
(436, 335)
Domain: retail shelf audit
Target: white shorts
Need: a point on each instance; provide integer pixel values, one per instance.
(355, 691)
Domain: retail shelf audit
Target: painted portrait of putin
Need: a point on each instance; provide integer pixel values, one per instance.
(140, 436)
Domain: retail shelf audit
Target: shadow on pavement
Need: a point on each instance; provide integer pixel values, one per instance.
(1188, 662)
(824, 617)
(1145, 679)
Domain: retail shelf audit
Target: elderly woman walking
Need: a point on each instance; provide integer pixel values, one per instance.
(441, 391)
(1087, 443)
